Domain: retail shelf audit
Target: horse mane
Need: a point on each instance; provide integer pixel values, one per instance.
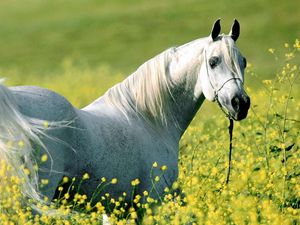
(146, 92)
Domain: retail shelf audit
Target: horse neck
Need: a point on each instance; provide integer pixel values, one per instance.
(177, 107)
(184, 110)
(187, 66)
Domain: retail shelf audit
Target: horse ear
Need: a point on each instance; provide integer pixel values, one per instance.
(235, 30)
(216, 30)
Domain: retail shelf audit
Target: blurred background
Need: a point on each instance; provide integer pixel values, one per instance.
(40, 38)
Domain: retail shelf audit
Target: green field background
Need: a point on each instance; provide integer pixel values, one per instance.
(38, 37)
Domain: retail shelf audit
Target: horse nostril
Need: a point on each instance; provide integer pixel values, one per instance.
(235, 103)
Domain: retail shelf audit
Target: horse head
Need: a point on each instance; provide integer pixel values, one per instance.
(222, 72)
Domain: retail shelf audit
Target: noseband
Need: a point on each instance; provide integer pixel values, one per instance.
(216, 91)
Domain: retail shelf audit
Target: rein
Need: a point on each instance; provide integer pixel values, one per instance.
(230, 129)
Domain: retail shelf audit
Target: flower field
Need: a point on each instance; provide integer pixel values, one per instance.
(264, 186)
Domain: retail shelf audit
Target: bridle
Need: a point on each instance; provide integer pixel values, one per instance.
(216, 91)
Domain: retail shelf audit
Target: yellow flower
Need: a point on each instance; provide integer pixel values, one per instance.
(135, 182)
(297, 44)
(67, 196)
(114, 181)
(44, 181)
(26, 171)
(65, 179)
(175, 185)
(164, 167)
(271, 50)
(157, 178)
(150, 200)
(103, 179)
(133, 215)
(86, 176)
(155, 164)
(44, 158)
(60, 188)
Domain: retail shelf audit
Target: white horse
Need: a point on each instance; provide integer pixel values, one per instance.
(135, 123)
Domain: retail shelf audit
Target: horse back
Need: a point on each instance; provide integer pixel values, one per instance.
(41, 103)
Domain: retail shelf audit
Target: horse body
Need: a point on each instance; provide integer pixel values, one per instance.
(86, 145)
(137, 122)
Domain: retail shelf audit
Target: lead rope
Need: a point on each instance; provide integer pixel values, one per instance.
(230, 129)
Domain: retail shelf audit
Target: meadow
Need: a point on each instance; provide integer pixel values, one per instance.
(81, 49)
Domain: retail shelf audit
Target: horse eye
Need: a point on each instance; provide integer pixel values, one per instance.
(214, 61)
(245, 62)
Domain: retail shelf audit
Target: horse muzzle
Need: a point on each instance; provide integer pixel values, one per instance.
(240, 106)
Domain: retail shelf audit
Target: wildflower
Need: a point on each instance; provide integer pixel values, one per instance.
(289, 55)
(133, 215)
(145, 193)
(135, 182)
(164, 167)
(86, 176)
(44, 181)
(271, 50)
(99, 207)
(150, 200)
(114, 181)
(60, 188)
(149, 211)
(44, 158)
(65, 179)
(155, 164)
(156, 178)
(26, 171)
(175, 185)
(103, 179)
(67, 196)
(297, 44)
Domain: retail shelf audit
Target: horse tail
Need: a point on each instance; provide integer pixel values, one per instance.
(18, 134)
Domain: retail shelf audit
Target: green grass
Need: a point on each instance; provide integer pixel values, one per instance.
(36, 36)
